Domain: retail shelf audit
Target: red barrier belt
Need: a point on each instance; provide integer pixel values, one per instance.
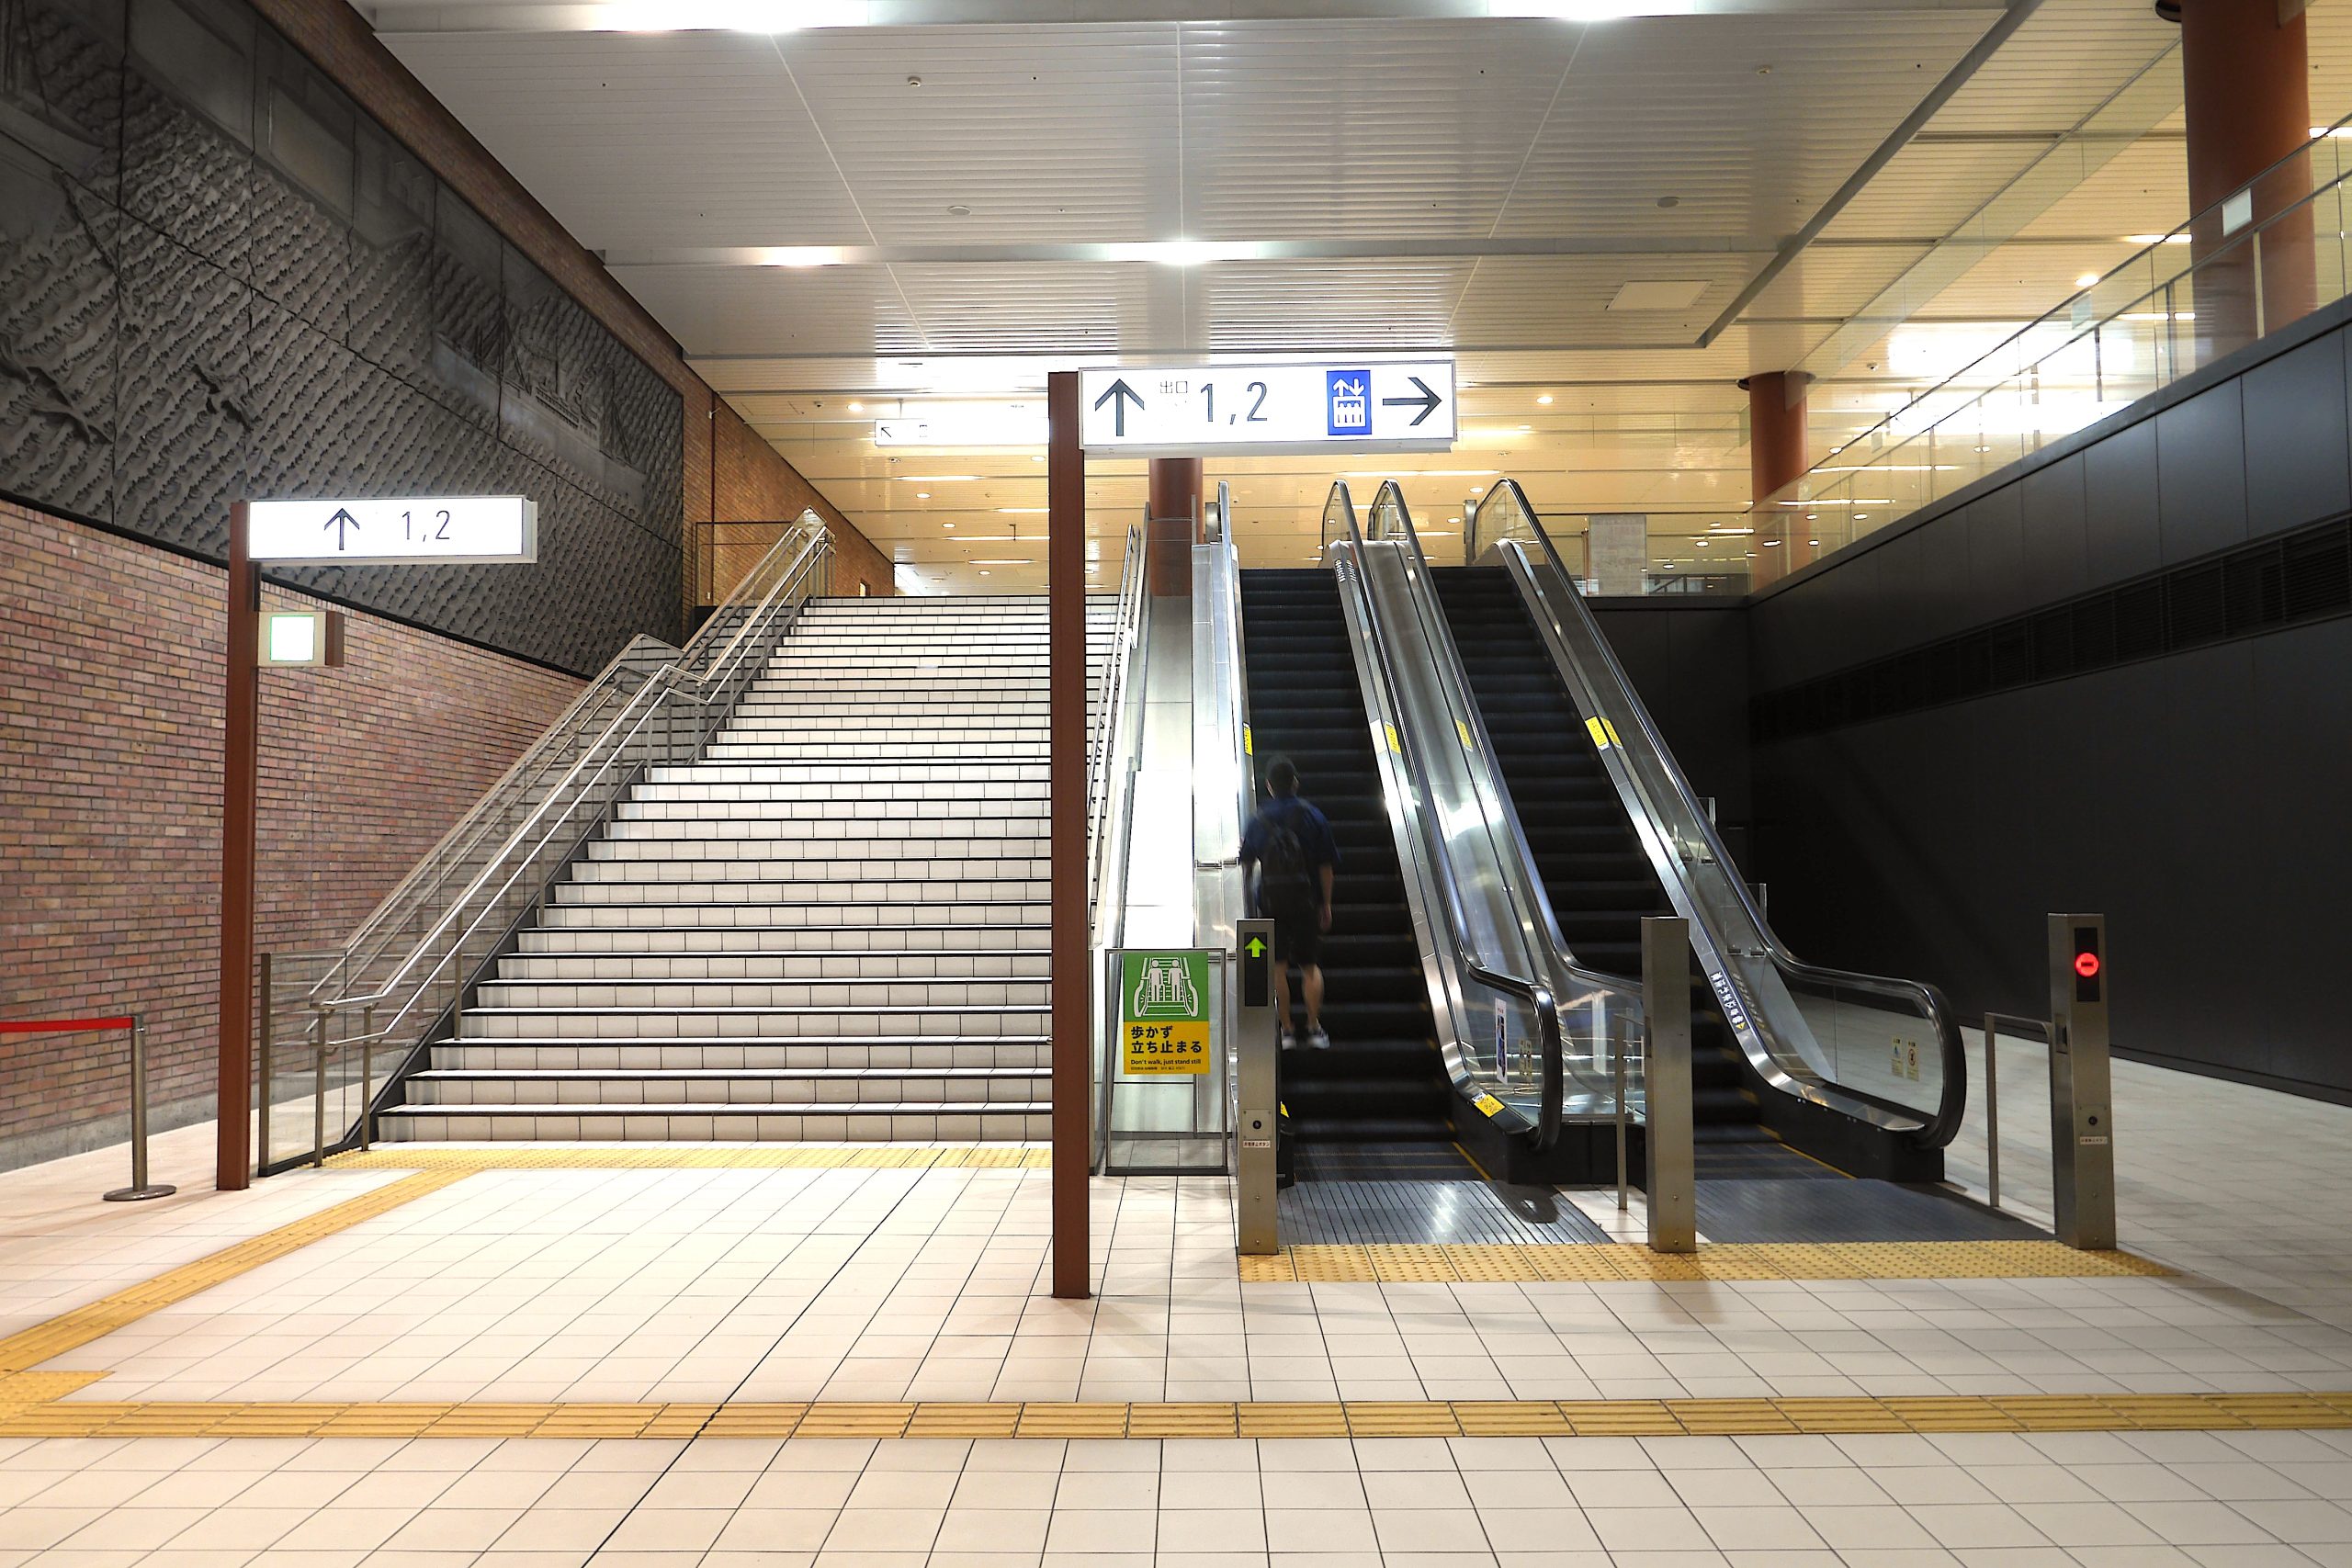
(63, 1025)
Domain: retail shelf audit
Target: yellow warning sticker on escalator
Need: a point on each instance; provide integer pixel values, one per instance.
(1488, 1104)
(1603, 733)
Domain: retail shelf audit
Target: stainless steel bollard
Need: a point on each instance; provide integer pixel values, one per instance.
(2082, 1120)
(1258, 1055)
(140, 1188)
(1670, 1139)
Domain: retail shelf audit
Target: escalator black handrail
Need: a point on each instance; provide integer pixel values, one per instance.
(1537, 995)
(1952, 1102)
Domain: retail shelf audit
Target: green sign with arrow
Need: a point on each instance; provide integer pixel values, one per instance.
(1164, 1012)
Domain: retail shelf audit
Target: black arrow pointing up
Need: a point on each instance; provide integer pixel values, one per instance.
(342, 523)
(1428, 401)
(1117, 395)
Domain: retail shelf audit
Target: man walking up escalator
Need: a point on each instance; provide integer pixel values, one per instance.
(1290, 847)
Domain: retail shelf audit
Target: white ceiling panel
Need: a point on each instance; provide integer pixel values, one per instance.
(667, 139)
(1073, 139)
(1339, 129)
(1745, 123)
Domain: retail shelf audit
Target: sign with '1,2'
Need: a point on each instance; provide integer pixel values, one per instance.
(394, 531)
(1371, 405)
(1164, 1012)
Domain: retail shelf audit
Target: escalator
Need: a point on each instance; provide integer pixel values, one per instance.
(1378, 1099)
(1859, 1072)
(1592, 865)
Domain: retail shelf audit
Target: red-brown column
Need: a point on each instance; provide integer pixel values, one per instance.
(1776, 457)
(240, 785)
(1173, 525)
(2245, 81)
(1072, 960)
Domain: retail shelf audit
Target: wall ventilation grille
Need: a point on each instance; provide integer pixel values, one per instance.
(2279, 581)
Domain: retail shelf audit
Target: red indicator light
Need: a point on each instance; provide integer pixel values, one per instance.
(2086, 965)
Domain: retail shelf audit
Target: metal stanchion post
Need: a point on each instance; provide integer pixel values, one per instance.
(1992, 1112)
(319, 1090)
(1617, 1043)
(1669, 1138)
(264, 1058)
(367, 1069)
(140, 1188)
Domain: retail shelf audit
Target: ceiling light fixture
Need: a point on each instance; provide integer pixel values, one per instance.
(2088, 280)
(923, 495)
(1544, 397)
(725, 15)
(799, 255)
(857, 408)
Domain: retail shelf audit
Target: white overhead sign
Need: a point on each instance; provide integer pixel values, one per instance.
(967, 424)
(346, 531)
(1368, 404)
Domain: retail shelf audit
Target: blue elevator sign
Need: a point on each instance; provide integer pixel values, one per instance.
(1348, 401)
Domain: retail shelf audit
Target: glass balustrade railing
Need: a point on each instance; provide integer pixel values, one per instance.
(1500, 1017)
(1885, 1051)
(2268, 253)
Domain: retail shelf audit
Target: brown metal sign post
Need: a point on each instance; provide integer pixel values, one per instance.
(240, 777)
(1072, 961)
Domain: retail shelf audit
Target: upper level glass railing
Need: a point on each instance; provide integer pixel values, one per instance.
(2268, 253)
(1882, 1051)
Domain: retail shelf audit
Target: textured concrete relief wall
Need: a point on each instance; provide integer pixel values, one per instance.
(219, 278)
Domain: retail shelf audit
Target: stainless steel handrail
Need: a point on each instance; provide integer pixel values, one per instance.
(652, 705)
(1934, 1129)
(1114, 758)
(1532, 990)
(1516, 857)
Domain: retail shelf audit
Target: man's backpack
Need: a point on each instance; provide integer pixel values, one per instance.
(1287, 876)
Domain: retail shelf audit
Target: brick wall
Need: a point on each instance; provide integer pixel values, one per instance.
(109, 804)
(749, 482)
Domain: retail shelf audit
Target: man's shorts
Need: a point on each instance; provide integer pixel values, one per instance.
(1298, 932)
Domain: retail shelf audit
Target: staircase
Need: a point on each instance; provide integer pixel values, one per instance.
(832, 927)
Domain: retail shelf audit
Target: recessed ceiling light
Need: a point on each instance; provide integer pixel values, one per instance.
(1861, 516)
(1657, 294)
(1544, 398)
(957, 210)
(947, 526)
(1527, 428)
(1813, 541)
(2086, 280)
(857, 408)
(984, 574)
(1700, 543)
(923, 495)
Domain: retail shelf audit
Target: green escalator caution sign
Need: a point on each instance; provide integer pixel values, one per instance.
(1164, 1013)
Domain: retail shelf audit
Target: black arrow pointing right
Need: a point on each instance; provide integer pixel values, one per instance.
(1427, 402)
(1117, 395)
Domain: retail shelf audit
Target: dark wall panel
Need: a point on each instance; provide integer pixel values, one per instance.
(2185, 771)
(2201, 474)
(2297, 467)
(219, 279)
(1690, 667)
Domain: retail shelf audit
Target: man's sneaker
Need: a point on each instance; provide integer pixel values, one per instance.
(1317, 1040)
(1289, 1039)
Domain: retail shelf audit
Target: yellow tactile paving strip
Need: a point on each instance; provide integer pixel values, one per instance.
(41, 1403)
(72, 1330)
(1602, 1263)
(1514, 1419)
(648, 1156)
